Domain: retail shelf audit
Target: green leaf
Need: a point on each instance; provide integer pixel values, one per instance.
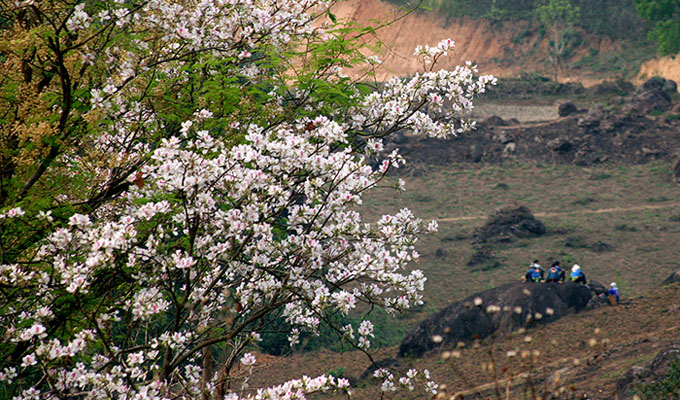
(331, 16)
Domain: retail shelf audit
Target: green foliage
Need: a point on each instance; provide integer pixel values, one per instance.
(617, 19)
(388, 331)
(625, 228)
(665, 17)
(519, 38)
(337, 373)
(559, 16)
(557, 12)
(490, 266)
(668, 389)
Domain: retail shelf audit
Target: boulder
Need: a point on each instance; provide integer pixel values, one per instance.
(674, 277)
(593, 117)
(597, 287)
(652, 96)
(566, 108)
(494, 120)
(513, 306)
(502, 137)
(653, 83)
(560, 145)
(476, 153)
(508, 223)
(509, 148)
(482, 255)
(635, 374)
(657, 83)
(618, 87)
(670, 87)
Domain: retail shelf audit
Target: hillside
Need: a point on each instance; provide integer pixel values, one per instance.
(616, 216)
(600, 179)
(504, 49)
(590, 351)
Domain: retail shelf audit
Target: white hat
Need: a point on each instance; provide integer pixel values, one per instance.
(613, 284)
(575, 268)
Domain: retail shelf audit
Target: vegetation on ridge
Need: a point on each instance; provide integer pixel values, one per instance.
(617, 19)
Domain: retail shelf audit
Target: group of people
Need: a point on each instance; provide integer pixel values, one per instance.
(536, 273)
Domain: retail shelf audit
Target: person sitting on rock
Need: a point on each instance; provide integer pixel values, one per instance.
(555, 273)
(613, 291)
(577, 275)
(535, 272)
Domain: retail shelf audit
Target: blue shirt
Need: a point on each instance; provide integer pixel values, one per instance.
(614, 291)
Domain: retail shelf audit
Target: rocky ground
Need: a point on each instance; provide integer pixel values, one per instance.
(642, 127)
(600, 354)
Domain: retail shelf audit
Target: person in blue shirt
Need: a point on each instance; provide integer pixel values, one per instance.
(535, 272)
(613, 291)
(577, 275)
(555, 273)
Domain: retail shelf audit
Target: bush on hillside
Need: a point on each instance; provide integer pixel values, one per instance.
(617, 19)
(669, 388)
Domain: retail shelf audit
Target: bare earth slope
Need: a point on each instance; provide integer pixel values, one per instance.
(503, 50)
(476, 40)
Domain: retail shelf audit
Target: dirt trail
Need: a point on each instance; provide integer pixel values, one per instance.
(580, 212)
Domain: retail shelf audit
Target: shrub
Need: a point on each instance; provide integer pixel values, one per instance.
(667, 389)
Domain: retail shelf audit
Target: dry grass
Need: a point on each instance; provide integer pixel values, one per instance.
(630, 208)
(592, 350)
(634, 209)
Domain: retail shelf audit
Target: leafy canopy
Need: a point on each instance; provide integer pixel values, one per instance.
(181, 178)
(665, 18)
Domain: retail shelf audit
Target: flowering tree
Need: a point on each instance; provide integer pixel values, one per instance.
(178, 173)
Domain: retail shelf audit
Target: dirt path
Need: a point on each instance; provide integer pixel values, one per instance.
(579, 212)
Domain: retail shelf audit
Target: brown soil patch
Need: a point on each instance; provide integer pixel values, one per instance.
(665, 67)
(477, 40)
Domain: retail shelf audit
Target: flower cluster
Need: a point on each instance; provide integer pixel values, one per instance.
(412, 378)
(447, 94)
(430, 55)
(221, 219)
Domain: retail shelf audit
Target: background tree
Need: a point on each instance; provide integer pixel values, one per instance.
(558, 16)
(178, 175)
(665, 16)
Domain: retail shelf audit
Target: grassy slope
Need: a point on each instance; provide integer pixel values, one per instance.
(634, 209)
(570, 201)
(590, 351)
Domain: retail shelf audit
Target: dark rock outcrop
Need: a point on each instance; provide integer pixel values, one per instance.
(637, 376)
(618, 87)
(658, 83)
(508, 223)
(566, 108)
(503, 309)
(674, 277)
(494, 120)
(592, 119)
(653, 95)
